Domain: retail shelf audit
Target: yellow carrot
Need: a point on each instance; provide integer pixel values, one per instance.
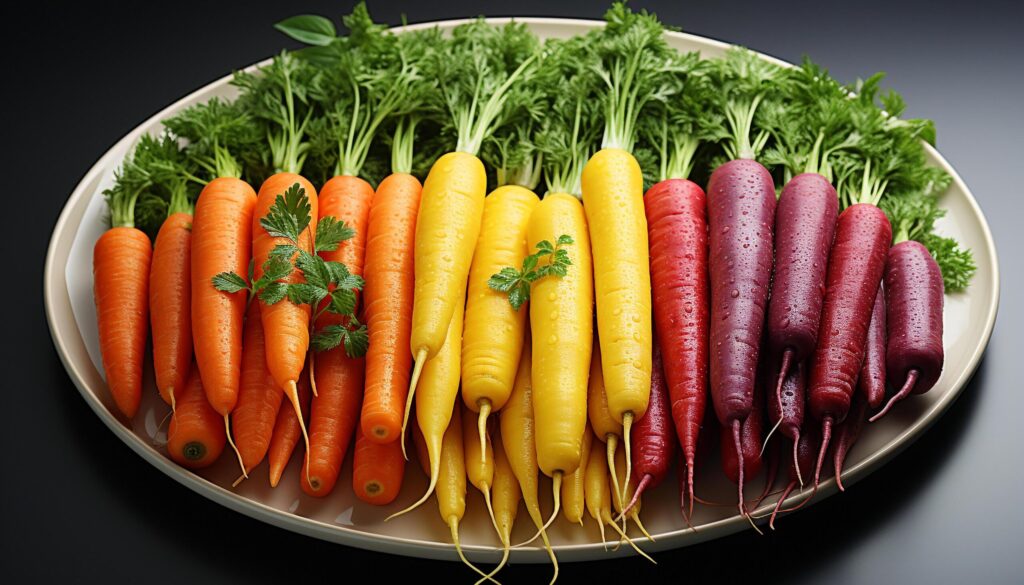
(561, 319)
(447, 228)
(613, 197)
(573, 502)
(493, 337)
(479, 462)
(518, 438)
(451, 483)
(598, 499)
(507, 495)
(606, 429)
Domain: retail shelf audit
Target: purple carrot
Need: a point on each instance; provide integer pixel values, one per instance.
(872, 375)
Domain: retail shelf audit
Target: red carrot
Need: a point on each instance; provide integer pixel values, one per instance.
(913, 300)
(653, 437)
(872, 375)
(677, 229)
(847, 434)
(791, 416)
(855, 270)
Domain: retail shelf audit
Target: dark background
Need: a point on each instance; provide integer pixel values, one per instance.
(77, 505)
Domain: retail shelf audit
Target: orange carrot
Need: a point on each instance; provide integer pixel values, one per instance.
(195, 437)
(285, 324)
(388, 304)
(259, 398)
(377, 470)
(120, 267)
(221, 242)
(334, 415)
(287, 432)
(170, 300)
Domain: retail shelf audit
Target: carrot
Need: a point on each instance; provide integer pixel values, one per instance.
(805, 221)
(573, 499)
(741, 213)
(451, 483)
(613, 198)
(195, 437)
(338, 378)
(494, 330)
(287, 433)
(855, 271)
(913, 301)
(434, 403)
(677, 226)
(518, 435)
(120, 265)
(479, 462)
(748, 462)
(221, 242)
(561, 321)
(388, 296)
(170, 297)
(606, 429)
(628, 495)
(377, 470)
(506, 498)
(790, 419)
(452, 200)
(871, 382)
(806, 448)
(259, 398)
(654, 447)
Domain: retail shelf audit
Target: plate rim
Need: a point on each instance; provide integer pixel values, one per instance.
(54, 285)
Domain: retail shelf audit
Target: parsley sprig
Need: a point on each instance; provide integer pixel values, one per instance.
(516, 283)
(327, 287)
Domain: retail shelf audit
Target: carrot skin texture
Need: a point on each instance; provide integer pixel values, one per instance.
(287, 432)
(677, 226)
(285, 324)
(334, 414)
(387, 300)
(855, 271)
(805, 221)
(121, 261)
(914, 301)
(221, 242)
(170, 304)
(377, 470)
(741, 214)
(794, 391)
(259, 398)
(195, 436)
(653, 435)
(871, 383)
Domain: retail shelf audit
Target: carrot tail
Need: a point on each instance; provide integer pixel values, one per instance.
(622, 536)
(421, 357)
(485, 411)
(627, 425)
(453, 524)
(690, 461)
(903, 393)
(796, 458)
(826, 436)
(646, 481)
(227, 431)
(739, 460)
(611, 444)
(292, 392)
(787, 362)
(778, 505)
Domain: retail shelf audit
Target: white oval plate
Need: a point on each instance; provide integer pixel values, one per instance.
(342, 518)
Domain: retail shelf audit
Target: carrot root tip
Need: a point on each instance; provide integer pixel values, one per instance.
(627, 425)
(826, 436)
(227, 432)
(908, 386)
(417, 369)
(485, 411)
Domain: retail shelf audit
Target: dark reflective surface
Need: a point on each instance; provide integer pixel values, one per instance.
(78, 504)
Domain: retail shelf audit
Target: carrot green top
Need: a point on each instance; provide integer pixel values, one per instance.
(635, 64)
(743, 79)
(217, 133)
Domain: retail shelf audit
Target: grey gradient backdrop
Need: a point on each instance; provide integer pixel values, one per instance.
(77, 505)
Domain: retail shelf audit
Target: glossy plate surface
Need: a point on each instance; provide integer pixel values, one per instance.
(342, 518)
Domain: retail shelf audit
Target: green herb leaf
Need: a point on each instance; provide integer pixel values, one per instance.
(355, 340)
(330, 233)
(289, 216)
(306, 294)
(229, 282)
(308, 28)
(273, 293)
(516, 283)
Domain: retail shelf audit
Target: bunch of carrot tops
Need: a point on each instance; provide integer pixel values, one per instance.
(808, 274)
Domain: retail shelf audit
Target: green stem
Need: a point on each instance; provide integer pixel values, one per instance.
(472, 132)
(402, 146)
